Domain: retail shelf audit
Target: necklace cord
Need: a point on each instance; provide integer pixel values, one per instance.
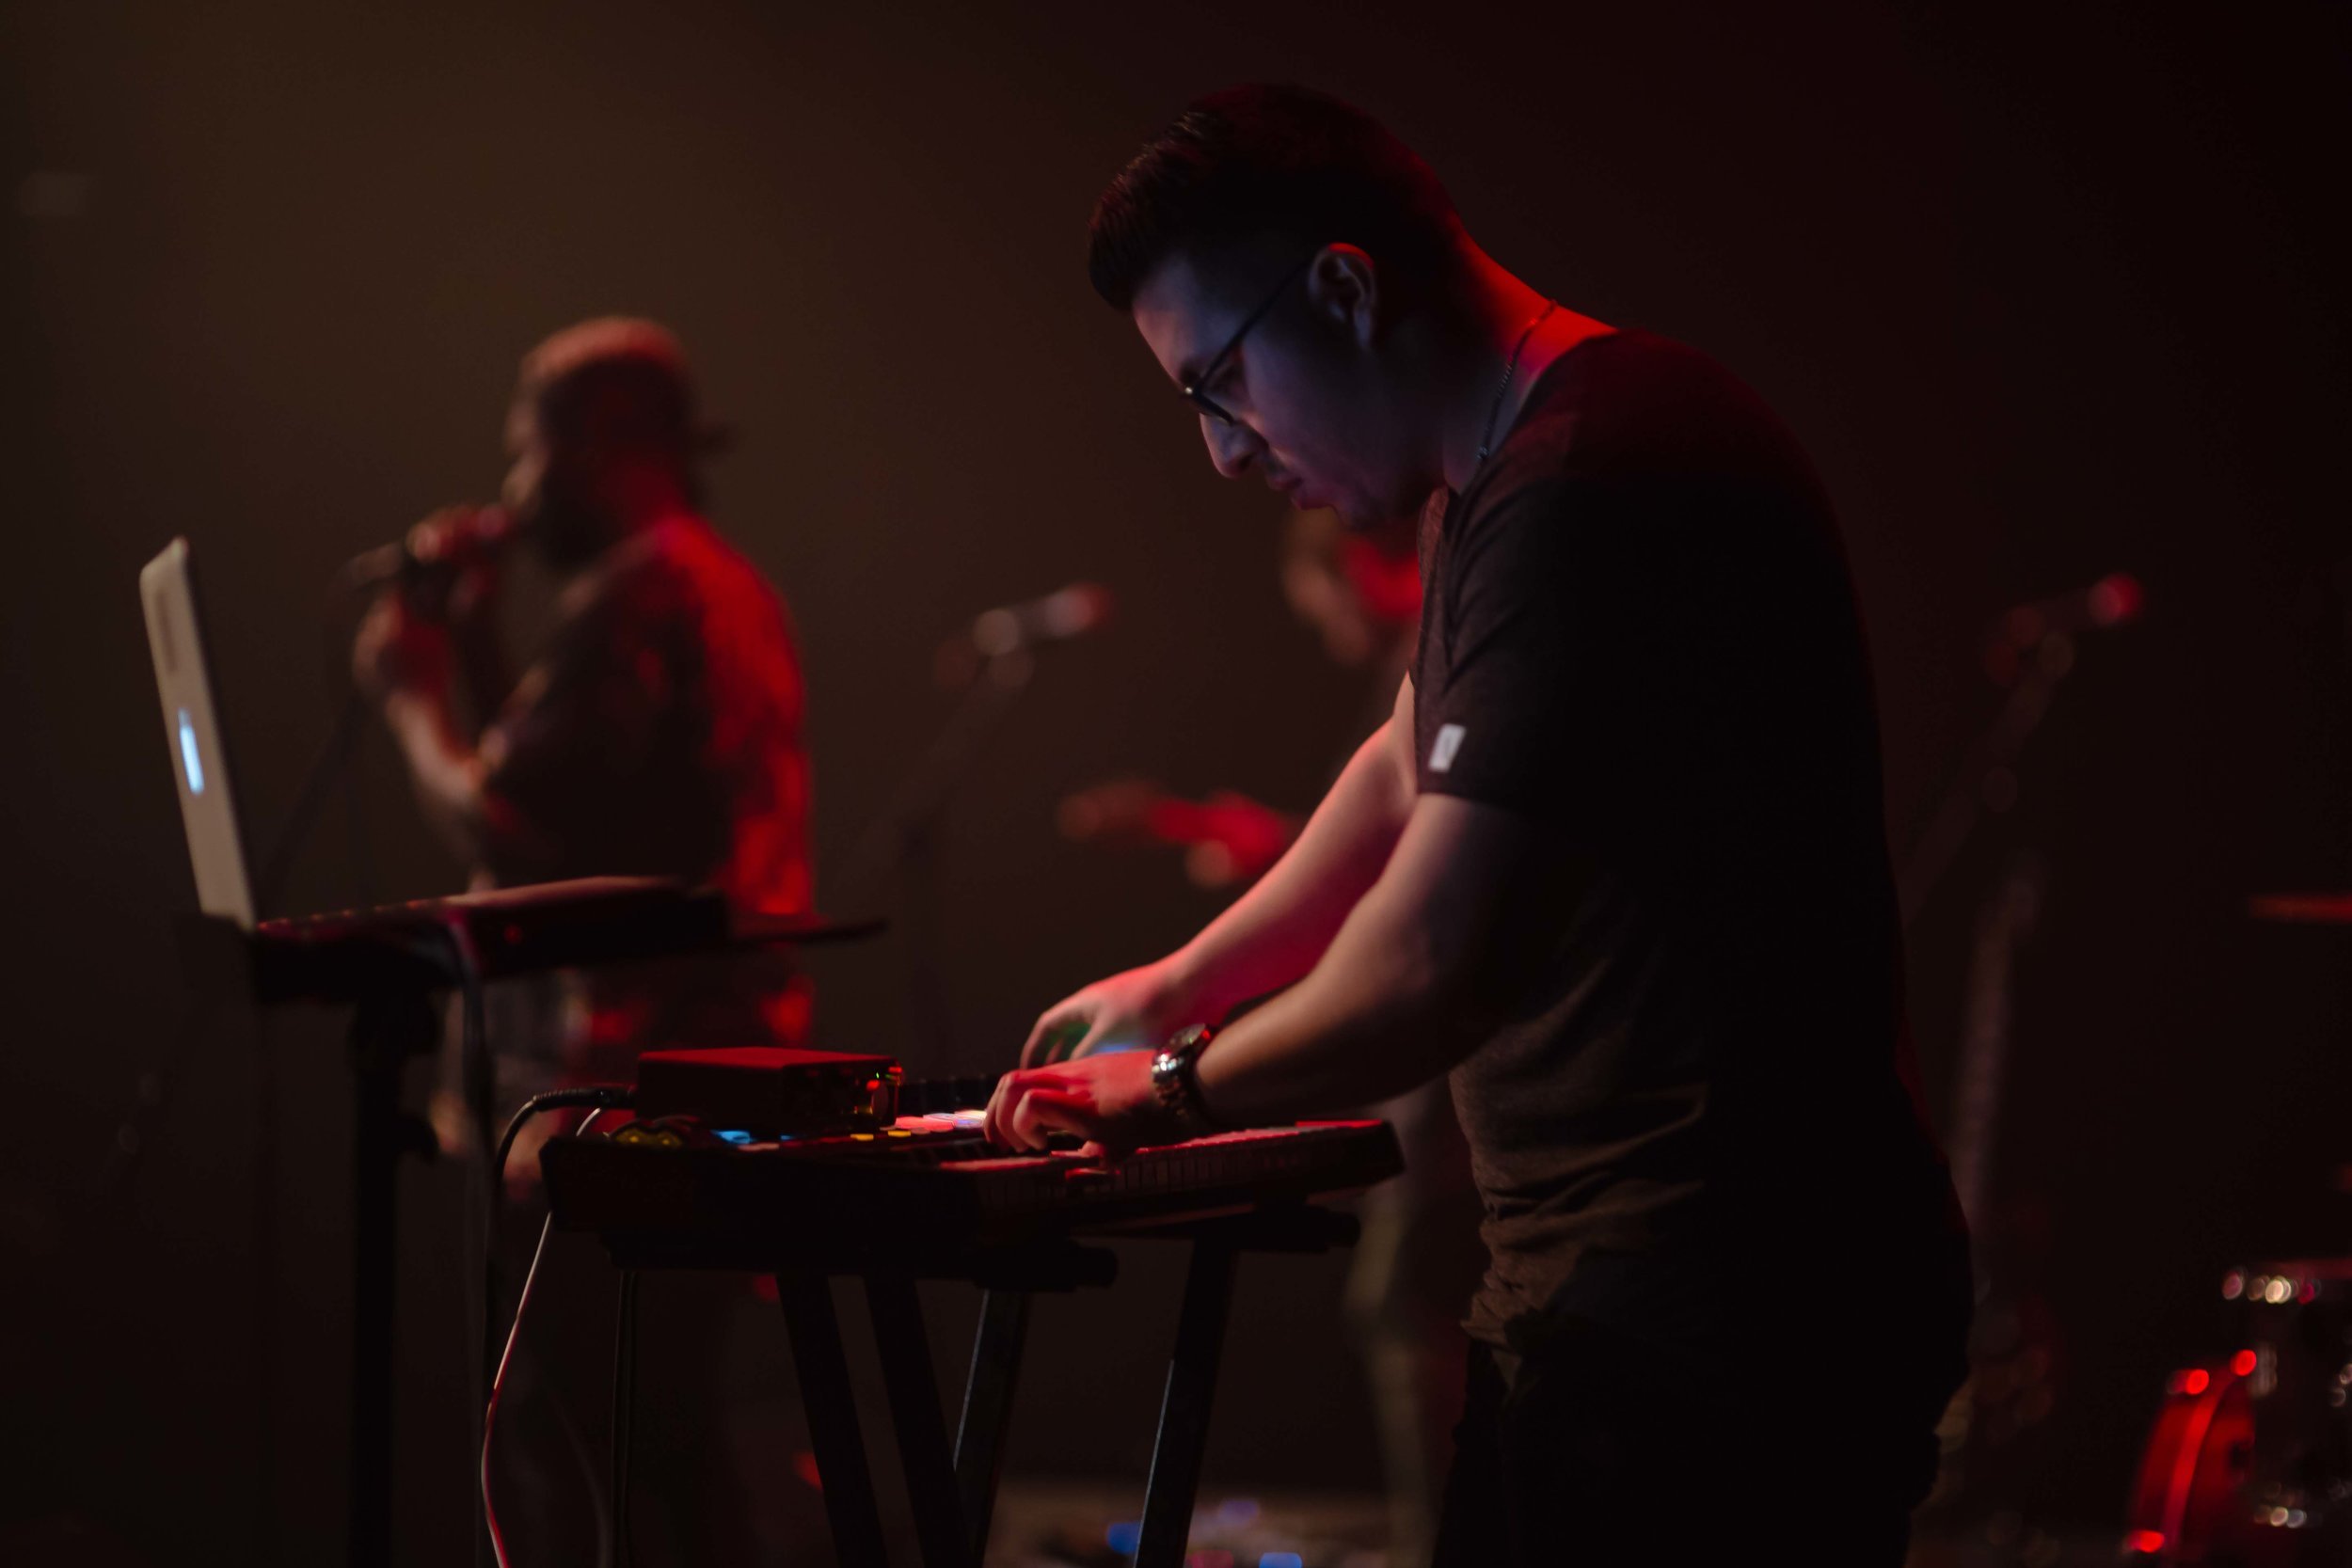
(1486, 440)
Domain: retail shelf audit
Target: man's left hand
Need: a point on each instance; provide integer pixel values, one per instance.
(1106, 1098)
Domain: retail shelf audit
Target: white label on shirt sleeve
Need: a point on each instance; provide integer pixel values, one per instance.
(1442, 752)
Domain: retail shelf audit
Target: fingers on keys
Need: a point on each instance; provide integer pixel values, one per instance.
(1029, 1106)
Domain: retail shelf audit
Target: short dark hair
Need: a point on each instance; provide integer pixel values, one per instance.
(1270, 159)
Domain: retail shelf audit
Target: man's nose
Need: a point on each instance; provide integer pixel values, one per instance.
(1231, 446)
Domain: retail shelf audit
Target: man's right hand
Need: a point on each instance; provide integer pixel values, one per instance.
(458, 550)
(1138, 1008)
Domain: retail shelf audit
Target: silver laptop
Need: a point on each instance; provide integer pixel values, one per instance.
(175, 638)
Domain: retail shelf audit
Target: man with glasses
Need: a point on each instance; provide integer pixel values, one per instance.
(1617, 863)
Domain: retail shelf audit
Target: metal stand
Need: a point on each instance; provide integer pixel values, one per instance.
(1183, 1436)
(952, 1490)
(904, 835)
(1986, 779)
(841, 1468)
(996, 1349)
(384, 1033)
(388, 965)
(915, 1415)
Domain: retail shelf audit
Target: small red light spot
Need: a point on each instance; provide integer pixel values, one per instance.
(2148, 1542)
(2243, 1363)
(805, 1466)
(2196, 1383)
(2306, 1290)
(514, 935)
(2116, 599)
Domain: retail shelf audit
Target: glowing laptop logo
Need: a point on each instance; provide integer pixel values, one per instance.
(188, 756)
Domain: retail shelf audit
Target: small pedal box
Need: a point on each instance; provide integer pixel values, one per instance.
(769, 1091)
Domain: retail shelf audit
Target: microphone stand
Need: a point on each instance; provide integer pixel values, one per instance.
(1986, 780)
(386, 1032)
(904, 835)
(326, 765)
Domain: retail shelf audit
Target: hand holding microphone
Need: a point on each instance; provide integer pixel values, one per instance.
(447, 562)
(443, 573)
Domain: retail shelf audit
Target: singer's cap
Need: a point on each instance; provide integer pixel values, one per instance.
(630, 367)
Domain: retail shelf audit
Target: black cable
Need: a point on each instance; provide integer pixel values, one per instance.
(596, 1095)
(599, 1096)
(623, 1403)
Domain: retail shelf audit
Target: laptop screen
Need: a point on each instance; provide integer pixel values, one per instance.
(208, 811)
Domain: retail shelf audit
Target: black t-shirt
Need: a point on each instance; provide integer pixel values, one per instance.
(1638, 634)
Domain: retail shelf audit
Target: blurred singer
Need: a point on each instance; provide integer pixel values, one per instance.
(658, 734)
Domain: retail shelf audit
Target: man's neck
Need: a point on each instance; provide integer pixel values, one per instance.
(1479, 388)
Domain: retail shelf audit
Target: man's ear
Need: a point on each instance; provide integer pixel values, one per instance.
(1343, 287)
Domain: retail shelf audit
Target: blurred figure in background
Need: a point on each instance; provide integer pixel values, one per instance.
(1360, 594)
(657, 733)
(1420, 1257)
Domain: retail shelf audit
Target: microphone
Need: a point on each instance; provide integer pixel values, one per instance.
(473, 535)
(2116, 599)
(1077, 611)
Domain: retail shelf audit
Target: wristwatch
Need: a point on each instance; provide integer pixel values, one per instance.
(1176, 1079)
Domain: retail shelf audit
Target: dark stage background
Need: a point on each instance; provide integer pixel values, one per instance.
(2050, 290)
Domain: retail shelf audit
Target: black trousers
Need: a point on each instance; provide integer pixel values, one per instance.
(1608, 1448)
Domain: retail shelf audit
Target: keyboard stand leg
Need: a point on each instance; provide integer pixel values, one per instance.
(386, 1031)
(988, 1408)
(915, 1414)
(1175, 1483)
(824, 1372)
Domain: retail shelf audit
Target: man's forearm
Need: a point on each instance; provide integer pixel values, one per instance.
(1417, 975)
(446, 771)
(1276, 931)
(1380, 1014)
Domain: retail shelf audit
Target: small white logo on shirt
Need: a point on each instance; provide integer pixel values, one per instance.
(1448, 742)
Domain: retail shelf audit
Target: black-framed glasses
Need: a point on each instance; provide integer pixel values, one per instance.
(1192, 390)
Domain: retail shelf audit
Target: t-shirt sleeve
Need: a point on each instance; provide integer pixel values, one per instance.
(1553, 683)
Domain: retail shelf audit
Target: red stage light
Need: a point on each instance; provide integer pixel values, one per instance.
(2196, 1383)
(2243, 1363)
(2147, 1542)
